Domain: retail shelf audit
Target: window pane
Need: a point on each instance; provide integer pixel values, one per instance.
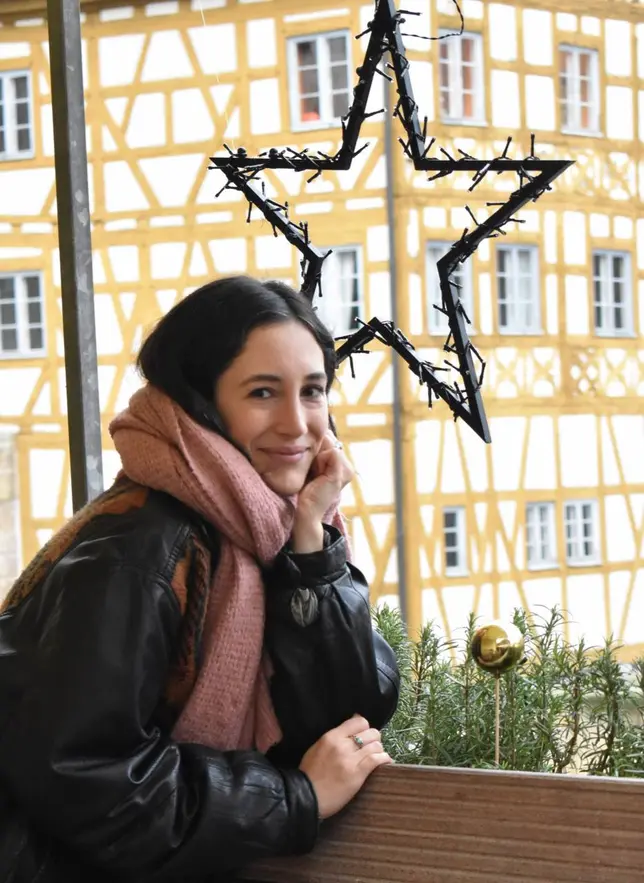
(449, 519)
(308, 82)
(599, 318)
(22, 113)
(7, 313)
(618, 266)
(9, 340)
(32, 284)
(339, 79)
(451, 559)
(597, 265)
(525, 262)
(307, 53)
(309, 109)
(340, 104)
(6, 288)
(20, 87)
(34, 313)
(451, 540)
(36, 339)
(338, 49)
(24, 139)
(467, 50)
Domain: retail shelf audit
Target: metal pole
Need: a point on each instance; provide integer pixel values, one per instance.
(399, 480)
(74, 238)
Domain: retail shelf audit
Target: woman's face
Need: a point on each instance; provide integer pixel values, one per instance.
(272, 400)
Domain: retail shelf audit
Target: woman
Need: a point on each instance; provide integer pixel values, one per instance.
(188, 674)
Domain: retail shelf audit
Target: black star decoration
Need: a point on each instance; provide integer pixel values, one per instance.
(534, 178)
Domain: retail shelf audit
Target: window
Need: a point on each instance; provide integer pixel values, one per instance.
(22, 323)
(342, 301)
(320, 77)
(462, 276)
(578, 89)
(540, 535)
(517, 289)
(16, 135)
(580, 521)
(612, 295)
(461, 78)
(454, 537)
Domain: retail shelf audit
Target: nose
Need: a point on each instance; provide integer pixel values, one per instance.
(292, 418)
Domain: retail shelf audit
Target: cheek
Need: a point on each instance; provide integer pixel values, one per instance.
(244, 428)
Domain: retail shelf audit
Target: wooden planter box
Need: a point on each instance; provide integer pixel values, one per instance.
(442, 825)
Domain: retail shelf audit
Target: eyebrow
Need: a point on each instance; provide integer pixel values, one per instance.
(275, 378)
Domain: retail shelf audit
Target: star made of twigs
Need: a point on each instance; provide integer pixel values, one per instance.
(535, 177)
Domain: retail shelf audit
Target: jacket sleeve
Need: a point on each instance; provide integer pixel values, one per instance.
(85, 761)
(328, 661)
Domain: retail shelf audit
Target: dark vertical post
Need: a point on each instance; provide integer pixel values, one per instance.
(74, 238)
(399, 480)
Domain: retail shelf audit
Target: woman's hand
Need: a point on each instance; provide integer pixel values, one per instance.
(331, 472)
(338, 766)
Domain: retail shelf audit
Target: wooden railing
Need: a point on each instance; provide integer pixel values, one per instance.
(441, 825)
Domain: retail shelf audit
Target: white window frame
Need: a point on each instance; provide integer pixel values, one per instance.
(10, 125)
(460, 568)
(333, 278)
(22, 324)
(517, 303)
(574, 515)
(570, 91)
(541, 549)
(437, 322)
(450, 58)
(606, 303)
(327, 118)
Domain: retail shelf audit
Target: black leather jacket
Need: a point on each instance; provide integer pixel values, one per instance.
(94, 787)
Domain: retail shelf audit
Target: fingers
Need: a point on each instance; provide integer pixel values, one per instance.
(353, 727)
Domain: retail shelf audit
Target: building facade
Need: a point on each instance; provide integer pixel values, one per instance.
(553, 511)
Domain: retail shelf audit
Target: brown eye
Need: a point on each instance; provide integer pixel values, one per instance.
(314, 392)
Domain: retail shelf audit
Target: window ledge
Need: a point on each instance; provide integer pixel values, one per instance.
(318, 124)
(455, 121)
(586, 562)
(17, 157)
(457, 571)
(615, 335)
(16, 357)
(537, 332)
(583, 133)
(545, 565)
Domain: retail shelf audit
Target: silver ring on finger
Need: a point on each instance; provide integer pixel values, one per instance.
(358, 741)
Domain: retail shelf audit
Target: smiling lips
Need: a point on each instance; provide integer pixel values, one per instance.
(286, 453)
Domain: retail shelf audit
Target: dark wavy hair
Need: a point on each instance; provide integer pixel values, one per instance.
(194, 343)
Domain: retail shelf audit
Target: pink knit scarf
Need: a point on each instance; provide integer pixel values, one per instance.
(163, 448)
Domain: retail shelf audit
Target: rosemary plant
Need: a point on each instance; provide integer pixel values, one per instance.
(567, 708)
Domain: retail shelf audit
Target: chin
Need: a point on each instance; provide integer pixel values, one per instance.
(285, 485)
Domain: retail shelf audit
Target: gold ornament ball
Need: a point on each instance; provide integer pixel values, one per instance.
(497, 646)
